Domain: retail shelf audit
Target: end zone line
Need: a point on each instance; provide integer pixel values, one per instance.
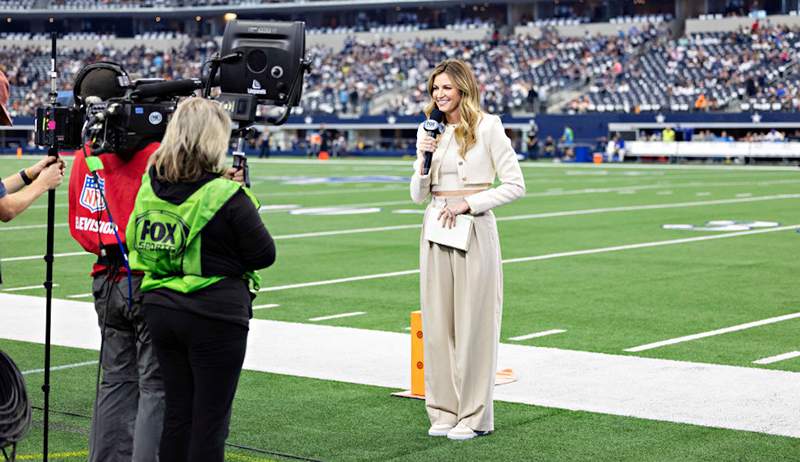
(336, 316)
(59, 368)
(712, 333)
(776, 358)
(537, 334)
(263, 307)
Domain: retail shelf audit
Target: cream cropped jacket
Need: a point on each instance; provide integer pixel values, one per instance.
(491, 156)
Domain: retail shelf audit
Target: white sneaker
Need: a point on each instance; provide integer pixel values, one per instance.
(461, 432)
(439, 430)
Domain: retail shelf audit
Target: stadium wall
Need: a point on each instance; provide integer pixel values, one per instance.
(587, 127)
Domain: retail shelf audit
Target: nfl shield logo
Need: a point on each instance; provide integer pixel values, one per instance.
(90, 194)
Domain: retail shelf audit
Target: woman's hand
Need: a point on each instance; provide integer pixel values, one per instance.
(235, 174)
(426, 144)
(449, 213)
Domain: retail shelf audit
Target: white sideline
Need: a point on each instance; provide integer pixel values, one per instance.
(765, 401)
(551, 256)
(726, 330)
(777, 358)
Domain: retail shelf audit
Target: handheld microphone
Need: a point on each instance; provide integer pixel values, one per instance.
(433, 125)
(184, 87)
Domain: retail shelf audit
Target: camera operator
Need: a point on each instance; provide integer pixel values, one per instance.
(199, 239)
(129, 410)
(46, 174)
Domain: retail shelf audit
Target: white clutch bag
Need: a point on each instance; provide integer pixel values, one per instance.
(456, 237)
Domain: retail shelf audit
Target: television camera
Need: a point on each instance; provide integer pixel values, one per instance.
(260, 65)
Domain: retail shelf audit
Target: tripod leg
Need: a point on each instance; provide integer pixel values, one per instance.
(48, 285)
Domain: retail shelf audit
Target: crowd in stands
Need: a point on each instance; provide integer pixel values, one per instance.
(640, 69)
(753, 68)
(27, 68)
(16, 4)
(669, 135)
(518, 74)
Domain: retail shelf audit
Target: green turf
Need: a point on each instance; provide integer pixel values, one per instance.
(606, 302)
(328, 420)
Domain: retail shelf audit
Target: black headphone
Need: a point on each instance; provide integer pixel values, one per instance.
(122, 79)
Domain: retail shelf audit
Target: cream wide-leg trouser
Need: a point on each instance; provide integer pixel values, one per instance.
(462, 303)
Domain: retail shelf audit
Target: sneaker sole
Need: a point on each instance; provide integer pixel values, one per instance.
(461, 437)
(468, 437)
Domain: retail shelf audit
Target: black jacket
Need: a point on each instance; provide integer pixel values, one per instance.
(234, 242)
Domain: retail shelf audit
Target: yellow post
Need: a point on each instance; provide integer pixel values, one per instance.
(19, 152)
(417, 356)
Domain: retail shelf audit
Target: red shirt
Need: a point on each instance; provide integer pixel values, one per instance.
(120, 180)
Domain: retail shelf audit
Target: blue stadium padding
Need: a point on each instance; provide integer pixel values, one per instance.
(587, 127)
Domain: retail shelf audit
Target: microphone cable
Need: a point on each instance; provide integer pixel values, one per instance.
(15, 409)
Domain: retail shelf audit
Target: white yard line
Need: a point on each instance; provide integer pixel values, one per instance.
(264, 307)
(339, 281)
(726, 330)
(337, 316)
(41, 257)
(15, 289)
(346, 231)
(23, 227)
(647, 244)
(534, 165)
(573, 253)
(764, 401)
(776, 358)
(328, 192)
(59, 368)
(566, 213)
(537, 334)
(87, 295)
(632, 208)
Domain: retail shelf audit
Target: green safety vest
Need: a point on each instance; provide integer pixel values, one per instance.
(164, 238)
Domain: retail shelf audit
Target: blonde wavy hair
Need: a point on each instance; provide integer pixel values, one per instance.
(469, 107)
(196, 141)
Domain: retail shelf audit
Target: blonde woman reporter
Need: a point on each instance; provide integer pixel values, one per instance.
(462, 290)
(199, 239)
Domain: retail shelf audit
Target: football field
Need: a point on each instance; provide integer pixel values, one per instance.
(650, 313)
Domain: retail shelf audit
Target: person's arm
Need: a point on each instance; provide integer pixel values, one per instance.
(15, 182)
(512, 183)
(255, 245)
(12, 205)
(420, 184)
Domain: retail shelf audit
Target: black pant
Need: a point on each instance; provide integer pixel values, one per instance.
(201, 360)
